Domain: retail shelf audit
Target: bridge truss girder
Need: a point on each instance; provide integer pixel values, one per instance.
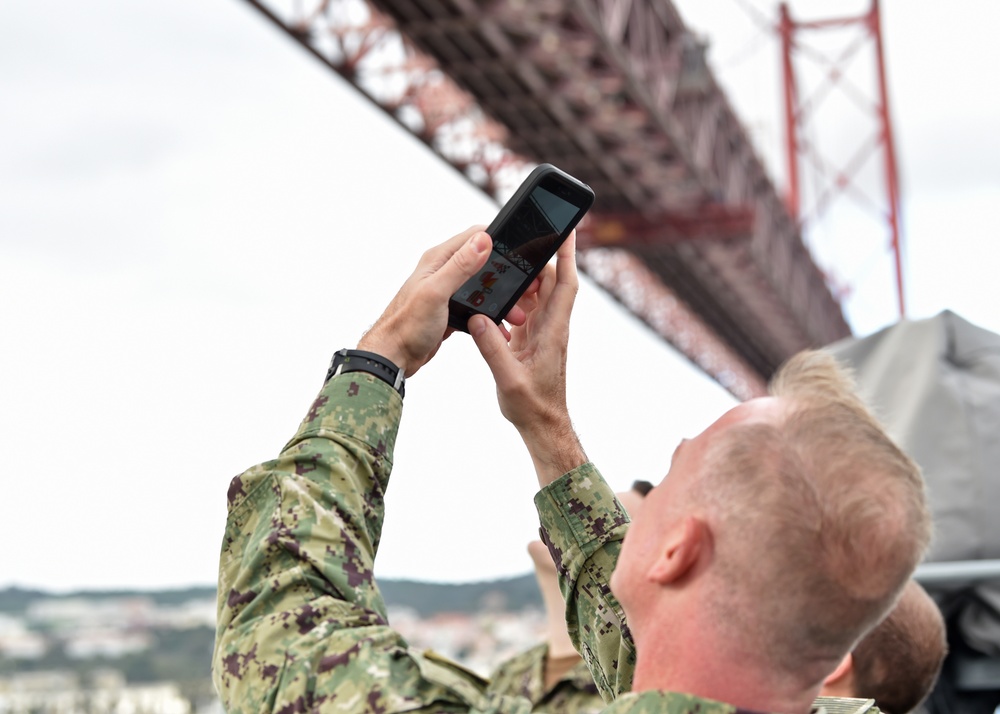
(617, 93)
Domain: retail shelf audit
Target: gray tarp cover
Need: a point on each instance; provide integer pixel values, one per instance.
(935, 384)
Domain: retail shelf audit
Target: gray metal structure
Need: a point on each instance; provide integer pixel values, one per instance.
(935, 383)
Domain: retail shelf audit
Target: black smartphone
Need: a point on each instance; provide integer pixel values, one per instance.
(526, 234)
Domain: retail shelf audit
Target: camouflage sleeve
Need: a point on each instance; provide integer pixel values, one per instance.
(301, 623)
(583, 525)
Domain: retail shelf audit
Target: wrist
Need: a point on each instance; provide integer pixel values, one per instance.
(346, 361)
(555, 449)
(386, 348)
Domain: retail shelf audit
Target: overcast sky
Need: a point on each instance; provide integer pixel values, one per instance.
(194, 214)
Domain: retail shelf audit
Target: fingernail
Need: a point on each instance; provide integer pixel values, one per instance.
(477, 325)
(480, 242)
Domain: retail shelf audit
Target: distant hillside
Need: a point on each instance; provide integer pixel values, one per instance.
(511, 594)
(15, 600)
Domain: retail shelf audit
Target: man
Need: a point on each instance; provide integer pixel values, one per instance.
(552, 675)
(781, 534)
(898, 662)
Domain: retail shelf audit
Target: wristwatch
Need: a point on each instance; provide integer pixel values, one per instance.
(360, 361)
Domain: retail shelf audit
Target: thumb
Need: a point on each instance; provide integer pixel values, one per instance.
(492, 346)
(464, 263)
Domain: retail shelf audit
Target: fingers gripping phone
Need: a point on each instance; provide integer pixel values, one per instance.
(526, 234)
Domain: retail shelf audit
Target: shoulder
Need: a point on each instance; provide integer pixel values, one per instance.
(520, 662)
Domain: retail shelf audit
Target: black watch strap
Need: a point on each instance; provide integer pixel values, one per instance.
(360, 361)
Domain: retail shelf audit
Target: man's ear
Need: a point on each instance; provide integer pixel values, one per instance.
(683, 545)
(843, 672)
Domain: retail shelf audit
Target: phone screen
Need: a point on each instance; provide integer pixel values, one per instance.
(524, 243)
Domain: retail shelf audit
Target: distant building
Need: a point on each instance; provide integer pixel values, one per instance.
(477, 641)
(18, 642)
(62, 693)
(87, 644)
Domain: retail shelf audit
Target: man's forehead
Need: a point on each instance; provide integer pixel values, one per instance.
(761, 409)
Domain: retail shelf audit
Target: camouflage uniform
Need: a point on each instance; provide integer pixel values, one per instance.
(302, 626)
(524, 674)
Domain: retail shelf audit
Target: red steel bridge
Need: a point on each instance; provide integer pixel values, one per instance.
(688, 231)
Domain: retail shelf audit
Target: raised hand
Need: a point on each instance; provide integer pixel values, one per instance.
(415, 323)
(530, 369)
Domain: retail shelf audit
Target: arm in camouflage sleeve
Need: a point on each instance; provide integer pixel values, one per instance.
(299, 548)
(584, 520)
(583, 526)
(301, 624)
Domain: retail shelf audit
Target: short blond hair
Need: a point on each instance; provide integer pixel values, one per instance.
(898, 662)
(825, 518)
